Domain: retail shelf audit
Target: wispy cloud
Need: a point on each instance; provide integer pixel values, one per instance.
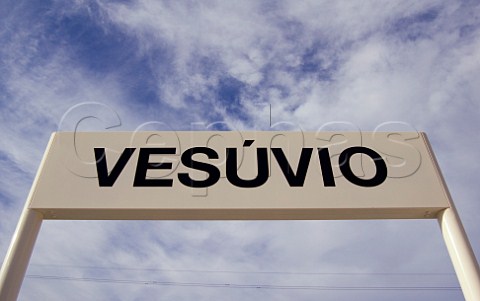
(186, 65)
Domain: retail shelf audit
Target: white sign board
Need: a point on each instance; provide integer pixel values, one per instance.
(238, 175)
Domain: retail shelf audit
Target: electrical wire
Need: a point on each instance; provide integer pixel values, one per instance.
(249, 272)
(246, 286)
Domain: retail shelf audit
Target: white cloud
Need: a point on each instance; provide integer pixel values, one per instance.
(314, 62)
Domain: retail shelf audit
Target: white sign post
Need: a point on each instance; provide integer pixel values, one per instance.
(238, 176)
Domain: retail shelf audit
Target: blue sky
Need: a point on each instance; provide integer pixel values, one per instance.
(181, 65)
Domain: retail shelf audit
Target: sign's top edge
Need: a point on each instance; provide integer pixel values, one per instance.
(247, 131)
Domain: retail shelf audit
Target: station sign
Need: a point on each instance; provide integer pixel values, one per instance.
(239, 175)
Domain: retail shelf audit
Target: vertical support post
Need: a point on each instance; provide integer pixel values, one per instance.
(461, 253)
(18, 254)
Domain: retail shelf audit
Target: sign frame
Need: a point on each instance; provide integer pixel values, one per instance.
(23, 241)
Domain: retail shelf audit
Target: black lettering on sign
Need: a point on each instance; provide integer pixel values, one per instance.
(381, 167)
(143, 165)
(104, 178)
(294, 178)
(262, 167)
(187, 160)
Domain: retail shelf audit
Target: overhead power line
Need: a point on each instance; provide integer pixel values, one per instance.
(246, 286)
(246, 272)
